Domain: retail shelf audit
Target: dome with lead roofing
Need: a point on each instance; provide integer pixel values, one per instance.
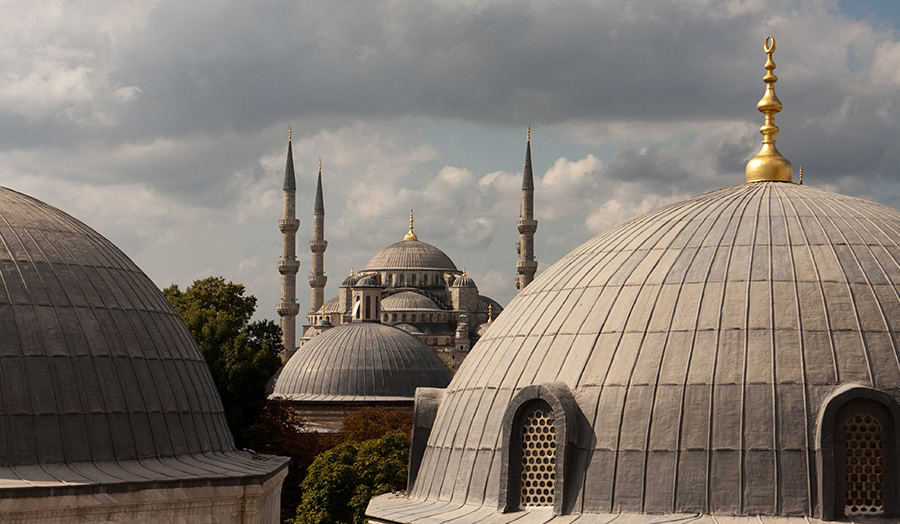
(96, 367)
(407, 301)
(360, 361)
(736, 354)
(411, 255)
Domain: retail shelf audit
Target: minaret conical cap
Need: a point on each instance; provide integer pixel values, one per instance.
(768, 164)
(410, 235)
(320, 201)
(527, 176)
(290, 184)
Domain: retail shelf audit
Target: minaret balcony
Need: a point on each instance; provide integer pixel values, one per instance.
(287, 309)
(318, 246)
(288, 267)
(288, 225)
(526, 266)
(317, 280)
(527, 225)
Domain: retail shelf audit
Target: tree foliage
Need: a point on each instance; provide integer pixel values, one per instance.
(369, 423)
(341, 481)
(241, 354)
(280, 430)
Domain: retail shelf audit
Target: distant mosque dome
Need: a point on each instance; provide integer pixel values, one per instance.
(107, 405)
(736, 354)
(408, 301)
(411, 255)
(360, 361)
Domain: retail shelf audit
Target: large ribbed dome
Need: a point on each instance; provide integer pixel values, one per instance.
(94, 362)
(410, 254)
(703, 344)
(360, 361)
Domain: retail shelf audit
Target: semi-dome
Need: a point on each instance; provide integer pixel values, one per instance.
(407, 301)
(100, 381)
(360, 361)
(700, 355)
(411, 255)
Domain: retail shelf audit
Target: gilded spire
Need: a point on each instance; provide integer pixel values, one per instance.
(768, 164)
(289, 132)
(410, 236)
(464, 271)
(490, 313)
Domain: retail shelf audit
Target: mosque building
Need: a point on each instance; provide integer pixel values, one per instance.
(420, 289)
(108, 411)
(734, 357)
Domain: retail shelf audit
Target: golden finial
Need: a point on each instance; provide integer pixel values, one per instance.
(464, 271)
(768, 164)
(351, 272)
(410, 236)
(289, 132)
(528, 133)
(490, 313)
(320, 164)
(800, 174)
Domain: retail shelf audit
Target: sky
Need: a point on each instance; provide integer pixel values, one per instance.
(163, 124)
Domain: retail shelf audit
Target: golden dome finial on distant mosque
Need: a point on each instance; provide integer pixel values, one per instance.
(490, 313)
(768, 164)
(351, 272)
(410, 236)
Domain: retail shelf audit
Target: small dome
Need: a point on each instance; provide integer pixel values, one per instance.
(367, 281)
(488, 304)
(412, 255)
(464, 280)
(360, 361)
(332, 306)
(408, 300)
(350, 280)
(409, 328)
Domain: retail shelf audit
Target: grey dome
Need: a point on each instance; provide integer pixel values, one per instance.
(349, 281)
(366, 281)
(360, 361)
(463, 281)
(333, 305)
(96, 366)
(410, 254)
(408, 300)
(700, 342)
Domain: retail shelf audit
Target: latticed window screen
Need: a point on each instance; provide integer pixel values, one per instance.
(863, 466)
(538, 459)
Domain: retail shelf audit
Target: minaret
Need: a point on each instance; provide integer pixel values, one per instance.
(317, 245)
(288, 265)
(526, 265)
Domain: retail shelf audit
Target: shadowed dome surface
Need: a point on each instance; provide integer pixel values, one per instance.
(360, 361)
(96, 367)
(700, 342)
(408, 300)
(410, 254)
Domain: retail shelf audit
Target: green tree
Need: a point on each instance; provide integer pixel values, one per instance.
(341, 481)
(369, 423)
(241, 354)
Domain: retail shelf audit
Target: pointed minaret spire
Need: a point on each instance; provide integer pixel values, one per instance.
(317, 245)
(288, 265)
(526, 266)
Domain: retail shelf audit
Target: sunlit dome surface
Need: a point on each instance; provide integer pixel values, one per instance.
(700, 343)
(410, 254)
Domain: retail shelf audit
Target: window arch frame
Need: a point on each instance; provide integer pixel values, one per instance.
(563, 410)
(834, 411)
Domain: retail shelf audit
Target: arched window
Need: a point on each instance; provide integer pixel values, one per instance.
(857, 457)
(402, 280)
(412, 280)
(368, 307)
(539, 431)
(860, 460)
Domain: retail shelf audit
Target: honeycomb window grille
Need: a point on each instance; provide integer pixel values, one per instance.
(538, 467)
(863, 466)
